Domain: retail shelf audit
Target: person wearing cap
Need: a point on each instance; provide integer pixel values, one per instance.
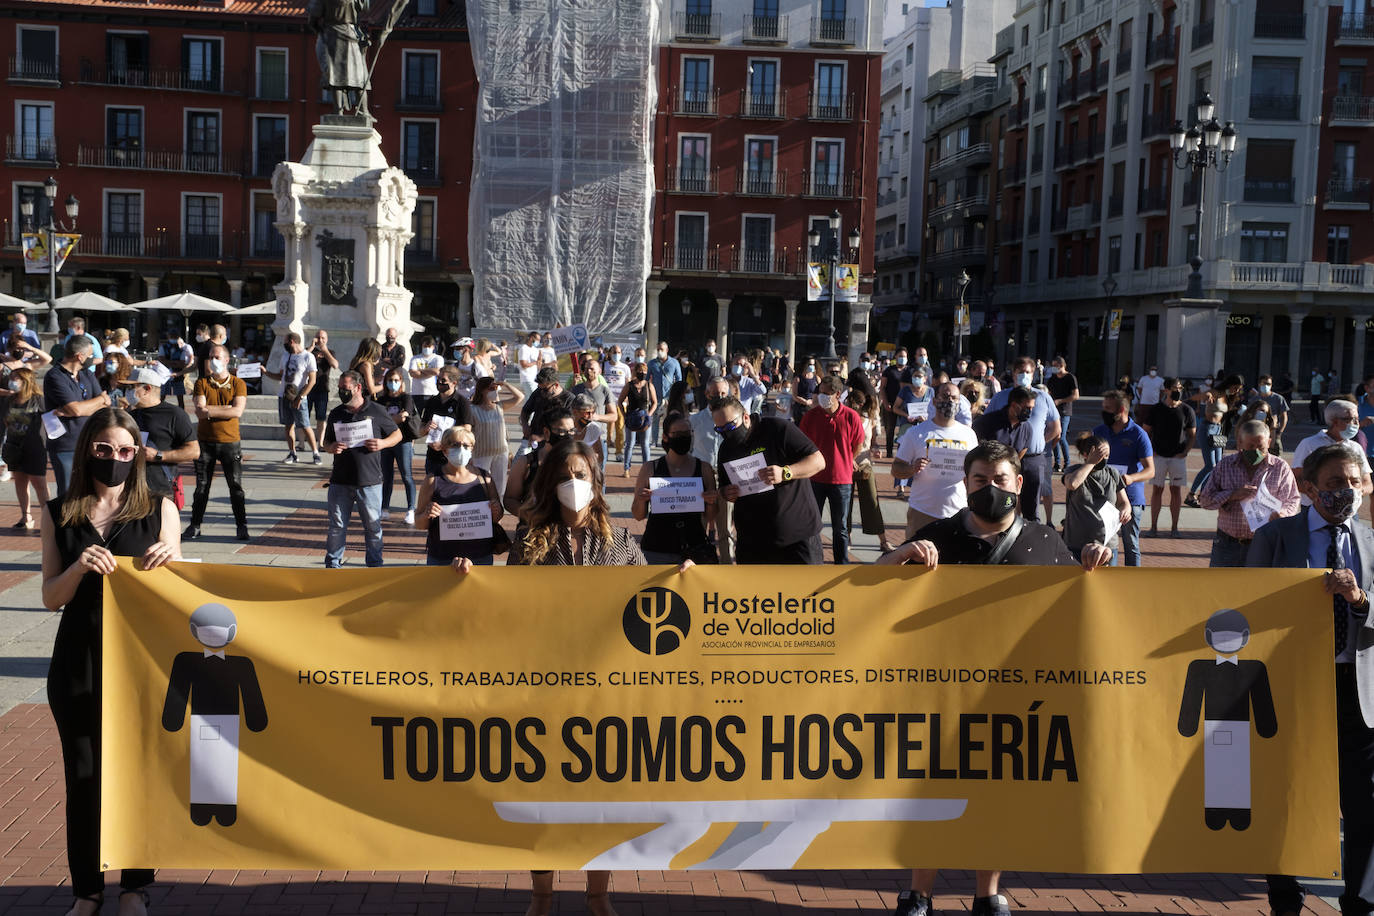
(466, 365)
(219, 399)
(169, 438)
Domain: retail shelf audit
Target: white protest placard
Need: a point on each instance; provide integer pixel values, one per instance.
(1260, 507)
(676, 494)
(570, 339)
(917, 411)
(1111, 520)
(441, 425)
(946, 464)
(249, 370)
(164, 375)
(744, 473)
(53, 426)
(465, 522)
(352, 435)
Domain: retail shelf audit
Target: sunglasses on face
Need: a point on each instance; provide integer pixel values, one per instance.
(732, 425)
(120, 453)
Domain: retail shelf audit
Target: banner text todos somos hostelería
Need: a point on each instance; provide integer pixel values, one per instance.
(728, 717)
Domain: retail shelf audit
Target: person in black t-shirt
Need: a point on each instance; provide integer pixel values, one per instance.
(973, 536)
(1172, 427)
(780, 524)
(171, 436)
(357, 473)
(448, 403)
(1063, 387)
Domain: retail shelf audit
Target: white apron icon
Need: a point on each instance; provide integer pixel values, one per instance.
(1226, 763)
(214, 760)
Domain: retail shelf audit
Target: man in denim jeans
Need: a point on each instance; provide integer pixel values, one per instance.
(365, 428)
(1133, 456)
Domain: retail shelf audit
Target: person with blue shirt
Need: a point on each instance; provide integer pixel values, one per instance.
(1038, 485)
(1130, 453)
(76, 327)
(19, 328)
(664, 371)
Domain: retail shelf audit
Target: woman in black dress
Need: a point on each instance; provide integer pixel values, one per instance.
(23, 451)
(106, 512)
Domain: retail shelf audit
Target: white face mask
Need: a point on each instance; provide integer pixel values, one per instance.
(575, 493)
(737, 370)
(15, 386)
(459, 456)
(711, 349)
(1153, 373)
(1228, 642)
(217, 366)
(427, 351)
(825, 401)
(214, 637)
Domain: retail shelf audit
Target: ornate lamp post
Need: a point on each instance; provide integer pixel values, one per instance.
(962, 281)
(1109, 345)
(1207, 145)
(813, 238)
(26, 211)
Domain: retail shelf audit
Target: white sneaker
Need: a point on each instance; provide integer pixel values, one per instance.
(5, 473)
(410, 517)
(317, 459)
(386, 514)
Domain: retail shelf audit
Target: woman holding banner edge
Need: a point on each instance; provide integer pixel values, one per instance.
(106, 512)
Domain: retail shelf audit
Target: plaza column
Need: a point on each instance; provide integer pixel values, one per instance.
(1357, 344)
(1295, 319)
(653, 300)
(859, 312)
(235, 322)
(150, 322)
(791, 340)
(723, 325)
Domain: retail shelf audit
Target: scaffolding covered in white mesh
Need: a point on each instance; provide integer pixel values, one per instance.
(563, 178)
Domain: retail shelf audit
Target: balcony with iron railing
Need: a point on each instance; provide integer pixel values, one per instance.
(765, 30)
(761, 183)
(161, 245)
(1040, 101)
(421, 252)
(1121, 131)
(973, 253)
(694, 102)
(823, 184)
(973, 155)
(1347, 193)
(35, 69)
(1268, 190)
(177, 80)
(1123, 61)
(419, 98)
(1203, 33)
(1014, 174)
(155, 160)
(1161, 50)
(272, 245)
(690, 258)
(696, 26)
(1155, 126)
(1284, 26)
(830, 106)
(1152, 200)
(829, 32)
(1356, 28)
(1352, 109)
(762, 105)
(965, 104)
(1068, 92)
(752, 261)
(1274, 106)
(1116, 205)
(423, 169)
(692, 181)
(1018, 113)
(30, 150)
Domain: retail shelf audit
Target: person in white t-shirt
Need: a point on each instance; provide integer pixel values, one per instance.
(934, 496)
(547, 355)
(1149, 388)
(424, 372)
(616, 373)
(528, 357)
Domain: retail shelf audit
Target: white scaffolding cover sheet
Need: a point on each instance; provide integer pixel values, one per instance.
(563, 179)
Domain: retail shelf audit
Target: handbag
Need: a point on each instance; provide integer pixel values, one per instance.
(636, 420)
(178, 494)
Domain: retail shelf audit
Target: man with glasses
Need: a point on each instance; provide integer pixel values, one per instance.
(776, 518)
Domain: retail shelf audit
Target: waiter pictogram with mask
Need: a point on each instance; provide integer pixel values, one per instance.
(1227, 692)
(214, 682)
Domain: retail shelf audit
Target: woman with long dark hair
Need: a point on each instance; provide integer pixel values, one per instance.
(23, 451)
(106, 512)
(365, 360)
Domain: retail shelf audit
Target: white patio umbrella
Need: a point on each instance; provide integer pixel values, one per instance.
(87, 301)
(14, 302)
(257, 311)
(186, 303)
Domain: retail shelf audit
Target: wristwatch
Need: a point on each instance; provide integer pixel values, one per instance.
(786, 472)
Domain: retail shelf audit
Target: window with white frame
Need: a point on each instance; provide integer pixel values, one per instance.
(271, 73)
(827, 157)
(35, 140)
(37, 57)
(202, 141)
(830, 98)
(201, 219)
(420, 148)
(760, 159)
(267, 241)
(123, 223)
(421, 245)
(1264, 242)
(201, 64)
(758, 244)
(696, 85)
(693, 162)
(269, 144)
(691, 241)
(420, 78)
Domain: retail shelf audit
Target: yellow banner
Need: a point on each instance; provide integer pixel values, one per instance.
(770, 717)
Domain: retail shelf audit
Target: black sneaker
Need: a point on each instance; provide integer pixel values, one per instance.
(913, 903)
(191, 533)
(995, 905)
(243, 533)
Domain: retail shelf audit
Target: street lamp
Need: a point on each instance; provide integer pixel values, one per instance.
(1109, 287)
(813, 238)
(961, 281)
(1198, 148)
(73, 206)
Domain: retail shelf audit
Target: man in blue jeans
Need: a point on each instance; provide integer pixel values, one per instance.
(355, 434)
(1131, 454)
(664, 371)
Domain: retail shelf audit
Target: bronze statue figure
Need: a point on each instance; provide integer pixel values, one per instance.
(341, 45)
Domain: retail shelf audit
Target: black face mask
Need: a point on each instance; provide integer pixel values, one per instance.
(992, 503)
(737, 435)
(1023, 414)
(345, 394)
(109, 471)
(680, 444)
(442, 387)
(1108, 418)
(559, 435)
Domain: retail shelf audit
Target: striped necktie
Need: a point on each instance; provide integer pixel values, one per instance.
(1340, 607)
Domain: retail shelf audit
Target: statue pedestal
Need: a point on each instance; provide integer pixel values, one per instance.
(1193, 337)
(345, 215)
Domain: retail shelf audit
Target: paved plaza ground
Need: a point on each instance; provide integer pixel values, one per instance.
(287, 520)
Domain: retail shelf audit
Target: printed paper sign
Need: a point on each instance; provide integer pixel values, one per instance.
(164, 375)
(250, 370)
(916, 411)
(352, 435)
(1111, 520)
(441, 425)
(53, 426)
(676, 494)
(465, 522)
(946, 464)
(744, 473)
(570, 339)
(1259, 508)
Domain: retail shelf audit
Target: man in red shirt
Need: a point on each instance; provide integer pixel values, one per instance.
(838, 432)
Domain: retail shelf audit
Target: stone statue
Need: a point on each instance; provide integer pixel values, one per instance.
(340, 47)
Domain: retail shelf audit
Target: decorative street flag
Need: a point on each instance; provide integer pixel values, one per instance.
(818, 282)
(1114, 325)
(35, 246)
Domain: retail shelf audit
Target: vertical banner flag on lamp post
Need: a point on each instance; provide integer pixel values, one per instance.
(1114, 325)
(35, 246)
(818, 282)
(961, 319)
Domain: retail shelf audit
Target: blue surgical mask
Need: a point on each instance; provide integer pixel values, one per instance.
(1265, 389)
(1023, 379)
(459, 456)
(393, 385)
(1351, 431)
(427, 351)
(901, 360)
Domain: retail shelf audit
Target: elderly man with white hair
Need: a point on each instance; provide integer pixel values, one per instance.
(1342, 426)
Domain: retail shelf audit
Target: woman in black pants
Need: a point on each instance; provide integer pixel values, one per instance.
(106, 512)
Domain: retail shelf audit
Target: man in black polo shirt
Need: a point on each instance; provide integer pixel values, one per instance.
(355, 434)
(447, 408)
(894, 376)
(171, 438)
(73, 394)
(978, 536)
(778, 523)
(1011, 426)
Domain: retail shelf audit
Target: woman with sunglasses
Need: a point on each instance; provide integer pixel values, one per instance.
(107, 512)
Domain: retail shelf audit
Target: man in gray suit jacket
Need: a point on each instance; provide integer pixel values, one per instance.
(1329, 535)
